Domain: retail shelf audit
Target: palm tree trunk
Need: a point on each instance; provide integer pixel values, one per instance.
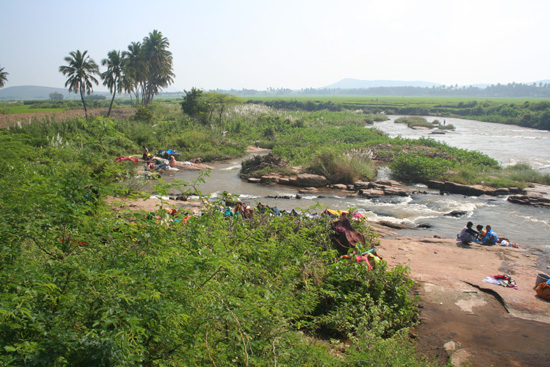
(83, 101)
(112, 99)
(111, 104)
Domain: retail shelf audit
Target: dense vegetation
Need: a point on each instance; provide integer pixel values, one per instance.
(84, 282)
(331, 143)
(87, 283)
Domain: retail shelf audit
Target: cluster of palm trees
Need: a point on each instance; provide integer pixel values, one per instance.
(143, 70)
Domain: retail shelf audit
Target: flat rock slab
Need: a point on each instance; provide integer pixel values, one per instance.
(490, 325)
(446, 263)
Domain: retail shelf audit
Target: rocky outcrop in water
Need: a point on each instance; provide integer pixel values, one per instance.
(308, 180)
(382, 188)
(531, 198)
(309, 183)
(471, 190)
(260, 162)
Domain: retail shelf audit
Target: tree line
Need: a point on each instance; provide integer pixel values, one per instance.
(142, 70)
(534, 90)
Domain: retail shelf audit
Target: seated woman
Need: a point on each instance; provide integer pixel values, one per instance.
(481, 233)
(490, 237)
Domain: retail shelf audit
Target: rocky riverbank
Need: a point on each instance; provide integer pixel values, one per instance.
(474, 322)
(538, 195)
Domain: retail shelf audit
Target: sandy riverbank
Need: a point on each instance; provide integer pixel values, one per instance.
(487, 324)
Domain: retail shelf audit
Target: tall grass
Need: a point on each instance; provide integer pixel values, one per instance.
(341, 168)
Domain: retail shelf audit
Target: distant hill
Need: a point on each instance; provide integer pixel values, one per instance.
(33, 92)
(349, 83)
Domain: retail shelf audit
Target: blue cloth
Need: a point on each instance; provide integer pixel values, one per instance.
(490, 238)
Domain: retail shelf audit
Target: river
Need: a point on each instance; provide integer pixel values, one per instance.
(526, 225)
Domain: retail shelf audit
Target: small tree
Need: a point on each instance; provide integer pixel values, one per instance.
(218, 103)
(192, 104)
(54, 96)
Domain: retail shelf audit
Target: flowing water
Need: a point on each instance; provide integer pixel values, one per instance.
(526, 225)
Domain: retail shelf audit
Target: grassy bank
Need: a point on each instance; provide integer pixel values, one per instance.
(333, 143)
(85, 283)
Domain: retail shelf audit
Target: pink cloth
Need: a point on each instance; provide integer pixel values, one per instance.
(360, 258)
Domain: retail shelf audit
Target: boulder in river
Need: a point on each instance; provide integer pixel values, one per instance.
(396, 191)
(308, 190)
(269, 179)
(308, 180)
(395, 225)
(389, 183)
(359, 185)
(461, 189)
(339, 187)
(457, 213)
(371, 193)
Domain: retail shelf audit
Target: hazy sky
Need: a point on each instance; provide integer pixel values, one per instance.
(293, 44)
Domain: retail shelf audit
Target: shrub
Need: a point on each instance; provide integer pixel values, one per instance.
(144, 113)
(416, 167)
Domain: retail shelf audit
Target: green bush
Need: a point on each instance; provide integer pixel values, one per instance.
(416, 167)
(144, 113)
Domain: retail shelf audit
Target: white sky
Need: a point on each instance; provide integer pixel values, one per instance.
(294, 44)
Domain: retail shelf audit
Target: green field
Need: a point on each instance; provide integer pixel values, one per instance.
(528, 112)
(370, 101)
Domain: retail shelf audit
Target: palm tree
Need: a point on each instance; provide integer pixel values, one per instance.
(159, 62)
(134, 70)
(112, 78)
(3, 77)
(80, 72)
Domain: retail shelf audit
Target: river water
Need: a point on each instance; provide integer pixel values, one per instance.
(526, 225)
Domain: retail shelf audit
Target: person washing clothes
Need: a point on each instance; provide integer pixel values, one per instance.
(468, 234)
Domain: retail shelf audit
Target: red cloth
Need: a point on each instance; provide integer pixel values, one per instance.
(120, 159)
(346, 237)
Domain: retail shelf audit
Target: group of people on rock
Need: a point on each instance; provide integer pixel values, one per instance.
(485, 237)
